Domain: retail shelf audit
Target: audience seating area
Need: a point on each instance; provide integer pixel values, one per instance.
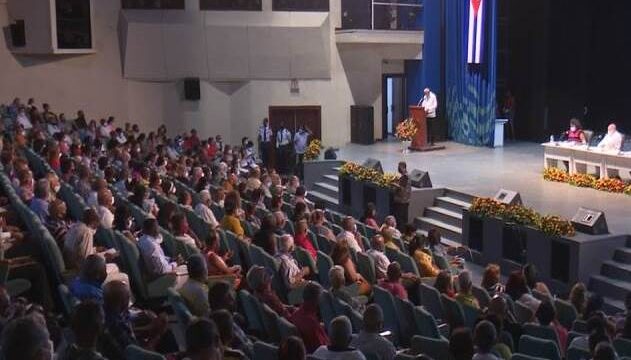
(215, 225)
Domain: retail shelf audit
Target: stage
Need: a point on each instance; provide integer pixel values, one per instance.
(482, 171)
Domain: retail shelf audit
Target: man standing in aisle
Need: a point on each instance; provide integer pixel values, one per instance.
(265, 142)
(283, 148)
(301, 141)
(430, 104)
(401, 200)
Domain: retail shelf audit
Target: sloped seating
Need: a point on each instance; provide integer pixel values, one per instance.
(182, 314)
(390, 319)
(265, 351)
(622, 346)
(454, 315)
(532, 346)
(366, 267)
(471, 315)
(426, 323)
(130, 263)
(304, 259)
(523, 313)
(325, 302)
(434, 348)
(406, 320)
(430, 299)
(483, 297)
(342, 308)
(541, 332)
(134, 352)
(325, 245)
(574, 353)
(324, 264)
(67, 300)
(253, 314)
(566, 313)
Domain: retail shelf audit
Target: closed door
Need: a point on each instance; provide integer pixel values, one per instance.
(292, 117)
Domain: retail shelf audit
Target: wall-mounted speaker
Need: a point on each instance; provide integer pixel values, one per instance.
(192, 89)
(373, 164)
(18, 34)
(508, 197)
(420, 179)
(590, 221)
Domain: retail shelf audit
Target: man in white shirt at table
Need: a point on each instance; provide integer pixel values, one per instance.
(612, 141)
(429, 102)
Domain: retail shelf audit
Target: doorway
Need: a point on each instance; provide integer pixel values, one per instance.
(295, 116)
(393, 103)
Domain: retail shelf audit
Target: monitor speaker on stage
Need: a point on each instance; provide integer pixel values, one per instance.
(590, 221)
(420, 179)
(508, 197)
(373, 164)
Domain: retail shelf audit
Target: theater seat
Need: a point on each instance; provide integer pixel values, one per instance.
(454, 315)
(574, 353)
(541, 332)
(366, 267)
(434, 348)
(430, 299)
(483, 297)
(622, 346)
(324, 264)
(390, 319)
(133, 352)
(327, 311)
(250, 306)
(525, 357)
(533, 346)
(265, 351)
(426, 324)
(182, 314)
(406, 320)
(566, 313)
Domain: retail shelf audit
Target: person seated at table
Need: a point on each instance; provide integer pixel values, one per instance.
(575, 133)
(612, 141)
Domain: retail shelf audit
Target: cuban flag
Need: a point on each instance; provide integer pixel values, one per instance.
(476, 27)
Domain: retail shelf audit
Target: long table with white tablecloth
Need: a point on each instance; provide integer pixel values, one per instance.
(576, 158)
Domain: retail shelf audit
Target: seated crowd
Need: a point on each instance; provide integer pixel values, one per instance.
(141, 218)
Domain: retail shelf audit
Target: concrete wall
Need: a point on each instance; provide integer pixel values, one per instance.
(95, 84)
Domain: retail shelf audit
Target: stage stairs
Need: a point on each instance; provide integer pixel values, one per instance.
(446, 215)
(614, 281)
(325, 189)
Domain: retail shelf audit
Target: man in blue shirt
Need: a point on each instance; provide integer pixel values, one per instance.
(89, 284)
(39, 203)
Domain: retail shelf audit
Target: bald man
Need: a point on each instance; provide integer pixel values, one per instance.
(612, 141)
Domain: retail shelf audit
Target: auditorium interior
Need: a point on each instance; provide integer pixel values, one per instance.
(315, 179)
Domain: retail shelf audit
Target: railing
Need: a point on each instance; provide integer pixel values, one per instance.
(382, 14)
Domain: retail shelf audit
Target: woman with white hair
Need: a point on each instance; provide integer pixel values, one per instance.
(293, 275)
(340, 291)
(202, 209)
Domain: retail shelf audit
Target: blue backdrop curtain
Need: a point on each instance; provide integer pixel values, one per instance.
(470, 88)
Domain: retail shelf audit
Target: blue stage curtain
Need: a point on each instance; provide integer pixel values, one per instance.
(470, 88)
(432, 56)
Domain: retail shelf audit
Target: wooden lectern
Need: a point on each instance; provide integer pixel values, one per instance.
(419, 142)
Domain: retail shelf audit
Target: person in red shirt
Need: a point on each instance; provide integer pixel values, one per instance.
(212, 149)
(306, 319)
(302, 239)
(392, 282)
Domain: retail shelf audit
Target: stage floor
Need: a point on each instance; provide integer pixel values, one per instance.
(482, 171)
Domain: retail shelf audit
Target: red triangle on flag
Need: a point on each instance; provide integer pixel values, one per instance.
(476, 6)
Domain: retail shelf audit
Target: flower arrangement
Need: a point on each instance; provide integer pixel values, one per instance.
(313, 150)
(555, 174)
(610, 185)
(406, 130)
(582, 180)
(362, 173)
(519, 214)
(613, 185)
(555, 226)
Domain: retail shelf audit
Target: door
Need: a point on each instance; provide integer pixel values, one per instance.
(295, 116)
(393, 103)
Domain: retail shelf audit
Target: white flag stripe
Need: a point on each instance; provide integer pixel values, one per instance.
(471, 30)
(478, 41)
